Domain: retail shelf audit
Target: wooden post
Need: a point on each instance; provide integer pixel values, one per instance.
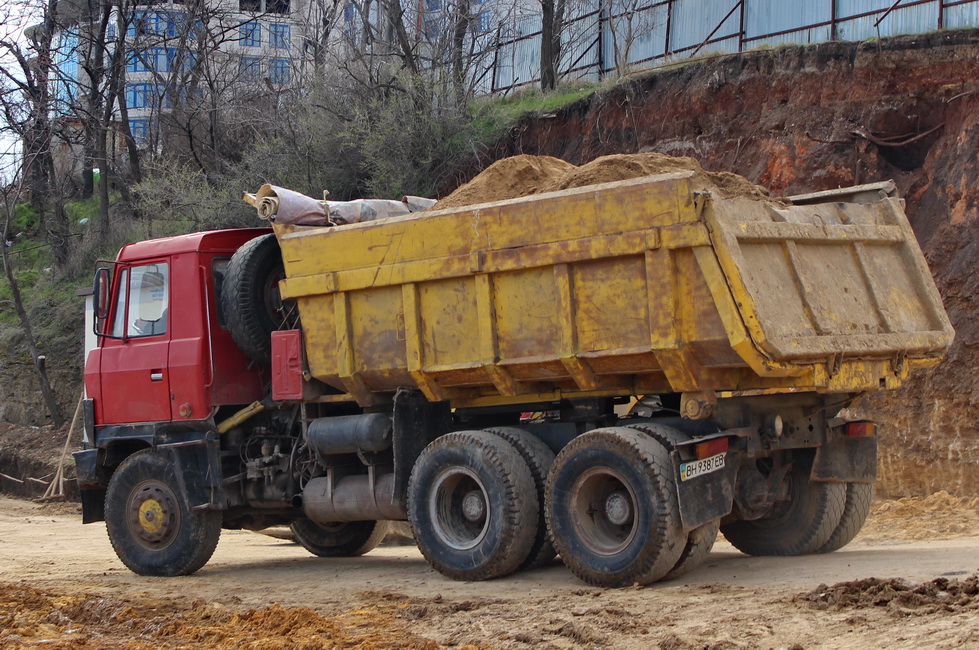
(56, 489)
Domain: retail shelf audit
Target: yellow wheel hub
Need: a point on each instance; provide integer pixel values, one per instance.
(151, 516)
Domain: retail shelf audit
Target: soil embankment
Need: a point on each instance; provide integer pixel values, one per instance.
(801, 119)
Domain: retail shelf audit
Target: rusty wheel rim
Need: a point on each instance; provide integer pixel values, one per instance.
(459, 508)
(604, 511)
(154, 518)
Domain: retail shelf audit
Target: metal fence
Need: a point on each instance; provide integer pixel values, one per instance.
(603, 38)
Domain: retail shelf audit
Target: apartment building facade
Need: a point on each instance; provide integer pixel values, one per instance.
(178, 53)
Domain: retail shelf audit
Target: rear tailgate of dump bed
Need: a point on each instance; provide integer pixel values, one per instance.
(838, 275)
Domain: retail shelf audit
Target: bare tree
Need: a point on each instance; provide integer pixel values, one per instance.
(552, 24)
(9, 193)
(27, 111)
(628, 20)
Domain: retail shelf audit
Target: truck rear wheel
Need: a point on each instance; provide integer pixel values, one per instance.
(250, 297)
(612, 508)
(344, 539)
(151, 526)
(801, 524)
(539, 459)
(855, 511)
(700, 540)
(471, 506)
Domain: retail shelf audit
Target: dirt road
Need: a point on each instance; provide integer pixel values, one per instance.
(61, 586)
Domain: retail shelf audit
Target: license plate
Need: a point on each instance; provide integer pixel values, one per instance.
(701, 467)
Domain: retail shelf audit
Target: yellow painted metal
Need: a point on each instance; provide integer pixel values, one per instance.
(151, 516)
(625, 288)
(241, 416)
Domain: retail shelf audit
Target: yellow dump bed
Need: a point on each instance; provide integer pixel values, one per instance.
(633, 287)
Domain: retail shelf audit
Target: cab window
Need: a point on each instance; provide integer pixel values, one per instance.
(147, 290)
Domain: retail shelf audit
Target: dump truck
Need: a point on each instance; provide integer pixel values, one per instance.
(610, 374)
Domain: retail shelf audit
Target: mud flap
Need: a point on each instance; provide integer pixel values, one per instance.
(850, 460)
(198, 470)
(417, 422)
(92, 478)
(89, 468)
(706, 497)
(93, 504)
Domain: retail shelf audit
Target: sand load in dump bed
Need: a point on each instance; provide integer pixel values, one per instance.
(676, 281)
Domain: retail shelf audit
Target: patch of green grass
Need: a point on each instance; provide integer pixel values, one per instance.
(491, 115)
(84, 209)
(25, 219)
(46, 291)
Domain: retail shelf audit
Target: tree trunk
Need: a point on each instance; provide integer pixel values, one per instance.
(550, 41)
(397, 25)
(49, 399)
(117, 92)
(59, 232)
(463, 20)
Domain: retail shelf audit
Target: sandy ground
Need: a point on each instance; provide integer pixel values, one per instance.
(61, 586)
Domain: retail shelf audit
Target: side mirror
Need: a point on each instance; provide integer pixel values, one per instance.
(100, 293)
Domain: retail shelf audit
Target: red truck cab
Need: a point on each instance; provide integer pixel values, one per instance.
(164, 352)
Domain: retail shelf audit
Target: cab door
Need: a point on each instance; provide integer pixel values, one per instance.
(135, 376)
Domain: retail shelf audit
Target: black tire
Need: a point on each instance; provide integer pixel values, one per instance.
(471, 506)
(798, 526)
(700, 540)
(250, 297)
(539, 459)
(346, 539)
(149, 520)
(855, 511)
(612, 508)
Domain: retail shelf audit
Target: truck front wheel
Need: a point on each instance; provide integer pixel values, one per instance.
(151, 526)
(802, 523)
(346, 539)
(612, 508)
(472, 506)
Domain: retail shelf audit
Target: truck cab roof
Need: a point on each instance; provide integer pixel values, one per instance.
(209, 240)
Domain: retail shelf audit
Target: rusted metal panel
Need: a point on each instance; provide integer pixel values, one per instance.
(617, 289)
(815, 282)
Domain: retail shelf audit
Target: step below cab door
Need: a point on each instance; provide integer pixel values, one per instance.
(135, 379)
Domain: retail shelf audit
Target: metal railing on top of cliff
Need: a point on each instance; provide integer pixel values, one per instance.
(605, 38)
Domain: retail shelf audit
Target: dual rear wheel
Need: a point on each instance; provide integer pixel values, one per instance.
(473, 506)
(481, 504)
(608, 501)
(806, 521)
(612, 508)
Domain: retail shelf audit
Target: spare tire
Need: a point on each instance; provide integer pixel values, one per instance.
(250, 297)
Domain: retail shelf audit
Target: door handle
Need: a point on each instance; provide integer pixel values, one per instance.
(156, 375)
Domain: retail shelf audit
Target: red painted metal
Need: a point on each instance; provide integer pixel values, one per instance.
(287, 365)
(135, 379)
(192, 369)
